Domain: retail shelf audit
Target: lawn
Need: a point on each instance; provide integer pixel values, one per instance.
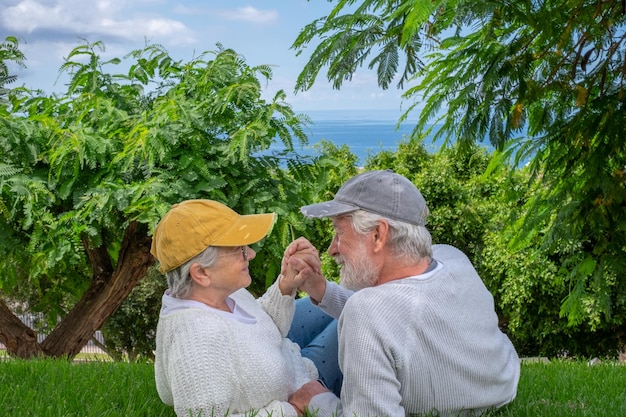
(53, 388)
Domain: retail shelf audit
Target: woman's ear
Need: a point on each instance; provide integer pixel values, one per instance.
(199, 275)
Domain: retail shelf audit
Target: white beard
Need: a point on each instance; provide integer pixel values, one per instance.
(359, 272)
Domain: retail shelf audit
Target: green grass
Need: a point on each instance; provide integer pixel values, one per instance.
(564, 388)
(51, 388)
(54, 388)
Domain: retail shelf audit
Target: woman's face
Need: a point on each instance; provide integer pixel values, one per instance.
(230, 273)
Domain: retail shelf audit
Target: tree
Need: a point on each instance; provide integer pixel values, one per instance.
(85, 177)
(397, 30)
(543, 81)
(9, 52)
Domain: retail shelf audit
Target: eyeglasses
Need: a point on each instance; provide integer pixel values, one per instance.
(244, 253)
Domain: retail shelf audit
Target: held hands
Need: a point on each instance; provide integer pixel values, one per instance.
(301, 398)
(307, 254)
(301, 268)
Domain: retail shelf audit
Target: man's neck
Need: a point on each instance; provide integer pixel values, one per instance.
(399, 269)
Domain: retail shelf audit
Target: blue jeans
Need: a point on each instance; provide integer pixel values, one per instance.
(316, 334)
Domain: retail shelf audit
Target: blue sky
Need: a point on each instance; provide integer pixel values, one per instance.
(261, 31)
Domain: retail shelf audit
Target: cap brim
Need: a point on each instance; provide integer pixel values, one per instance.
(328, 209)
(248, 229)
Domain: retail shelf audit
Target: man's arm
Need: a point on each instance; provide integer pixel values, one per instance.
(335, 297)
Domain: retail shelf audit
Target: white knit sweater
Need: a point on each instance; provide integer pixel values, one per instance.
(423, 343)
(211, 363)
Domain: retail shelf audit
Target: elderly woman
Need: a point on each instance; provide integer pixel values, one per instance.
(220, 351)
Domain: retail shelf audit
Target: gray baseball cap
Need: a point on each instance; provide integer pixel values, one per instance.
(385, 193)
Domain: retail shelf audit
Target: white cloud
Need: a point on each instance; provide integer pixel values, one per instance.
(152, 28)
(250, 14)
(102, 18)
(28, 15)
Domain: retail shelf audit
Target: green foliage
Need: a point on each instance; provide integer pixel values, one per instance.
(131, 330)
(78, 168)
(410, 157)
(9, 52)
(535, 284)
(543, 82)
(554, 70)
(476, 202)
(347, 36)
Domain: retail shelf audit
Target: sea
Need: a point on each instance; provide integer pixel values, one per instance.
(365, 132)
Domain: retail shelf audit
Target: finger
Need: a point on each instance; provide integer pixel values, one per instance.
(297, 245)
(309, 254)
(300, 264)
(284, 264)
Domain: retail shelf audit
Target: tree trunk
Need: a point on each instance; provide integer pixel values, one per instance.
(108, 289)
(19, 339)
(105, 294)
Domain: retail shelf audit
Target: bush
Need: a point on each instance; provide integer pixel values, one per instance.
(131, 331)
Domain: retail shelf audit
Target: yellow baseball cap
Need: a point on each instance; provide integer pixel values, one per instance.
(193, 225)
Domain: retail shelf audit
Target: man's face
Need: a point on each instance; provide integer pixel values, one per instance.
(353, 253)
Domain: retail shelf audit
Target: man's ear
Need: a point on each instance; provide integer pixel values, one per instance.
(381, 235)
(199, 275)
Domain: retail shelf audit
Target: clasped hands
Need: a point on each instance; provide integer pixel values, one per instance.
(301, 268)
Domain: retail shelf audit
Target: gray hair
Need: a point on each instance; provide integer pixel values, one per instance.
(407, 240)
(179, 279)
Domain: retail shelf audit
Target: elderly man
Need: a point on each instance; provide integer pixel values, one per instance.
(418, 332)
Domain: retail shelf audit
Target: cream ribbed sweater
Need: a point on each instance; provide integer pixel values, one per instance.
(418, 344)
(211, 363)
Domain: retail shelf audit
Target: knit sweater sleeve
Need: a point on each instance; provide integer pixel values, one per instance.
(334, 299)
(281, 308)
